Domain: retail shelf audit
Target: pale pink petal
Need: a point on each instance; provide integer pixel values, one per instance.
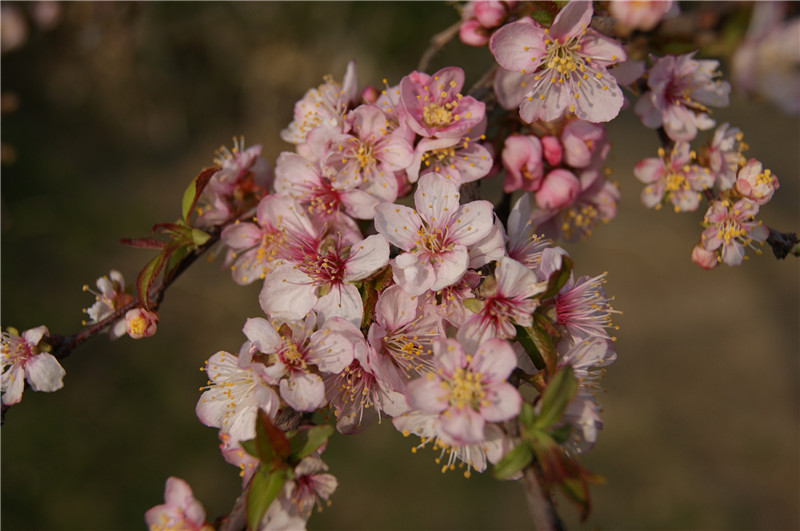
(44, 373)
(571, 20)
(518, 46)
(449, 267)
(495, 360)
(514, 280)
(436, 199)
(504, 400)
(472, 222)
(414, 276)
(330, 350)
(395, 308)
(427, 394)
(288, 293)
(464, 425)
(398, 224)
(343, 300)
(262, 334)
(303, 392)
(367, 257)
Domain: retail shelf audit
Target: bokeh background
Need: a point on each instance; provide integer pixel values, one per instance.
(109, 109)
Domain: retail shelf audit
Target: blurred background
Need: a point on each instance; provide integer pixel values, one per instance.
(109, 109)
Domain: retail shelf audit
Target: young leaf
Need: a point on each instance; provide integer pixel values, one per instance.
(305, 442)
(558, 279)
(249, 446)
(271, 443)
(264, 488)
(146, 278)
(525, 338)
(560, 390)
(514, 461)
(195, 188)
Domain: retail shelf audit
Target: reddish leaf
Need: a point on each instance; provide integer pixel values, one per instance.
(146, 278)
(143, 243)
(195, 188)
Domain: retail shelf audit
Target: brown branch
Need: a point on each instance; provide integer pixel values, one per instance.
(545, 517)
(783, 243)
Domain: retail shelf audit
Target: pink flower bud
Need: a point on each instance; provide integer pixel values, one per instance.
(756, 183)
(704, 258)
(472, 33)
(558, 190)
(522, 159)
(370, 94)
(552, 150)
(140, 323)
(490, 13)
(582, 140)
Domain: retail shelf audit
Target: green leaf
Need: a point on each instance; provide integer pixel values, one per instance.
(514, 461)
(542, 17)
(527, 415)
(473, 305)
(558, 279)
(146, 278)
(195, 188)
(249, 446)
(264, 488)
(305, 442)
(271, 443)
(560, 390)
(524, 336)
(199, 237)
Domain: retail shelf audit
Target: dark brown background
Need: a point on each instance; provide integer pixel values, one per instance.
(121, 104)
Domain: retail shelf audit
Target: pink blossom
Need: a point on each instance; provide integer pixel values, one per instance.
(508, 301)
(766, 62)
(427, 426)
(681, 89)
(303, 180)
(435, 106)
(238, 386)
(588, 359)
(368, 155)
(467, 391)
(281, 230)
(583, 308)
(298, 353)
(234, 454)
(180, 511)
(559, 69)
(730, 228)
(140, 323)
(558, 190)
(522, 160)
(725, 155)
(110, 298)
(27, 358)
(401, 337)
(552, 150)
(311, 486)
(243, 178)
(756, 183)
(585, 144)
(703, 258)
(436, 236)
(524, 245)
(448, 302)
(322, 280)
(673, 178)
(324, 106)
(637, 15)
(462, 160)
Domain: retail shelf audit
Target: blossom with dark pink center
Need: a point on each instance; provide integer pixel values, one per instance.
(681, 89)
(322, 280)
(583, 308)
(508, 301)
(435, 106)
(462, 160)
(562, 69)
(298, 352)
(281, 230)
(436, 236)
(467, 390)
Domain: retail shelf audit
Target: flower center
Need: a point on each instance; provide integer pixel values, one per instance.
(676, 182)
(435, 115)
(465, 389)
(564, 57)
(364, 155)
